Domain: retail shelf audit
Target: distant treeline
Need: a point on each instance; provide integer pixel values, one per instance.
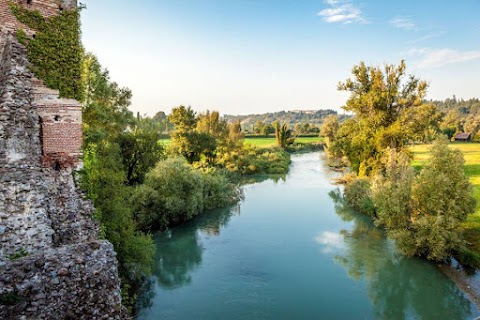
(314, 117)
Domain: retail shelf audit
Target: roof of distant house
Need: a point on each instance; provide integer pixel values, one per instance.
(464, 135)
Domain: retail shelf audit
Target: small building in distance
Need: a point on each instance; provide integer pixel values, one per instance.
(462, 137)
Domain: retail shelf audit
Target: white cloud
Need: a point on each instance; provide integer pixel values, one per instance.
(403, 23)
(342, 11)
(431, 58)
(331, 241)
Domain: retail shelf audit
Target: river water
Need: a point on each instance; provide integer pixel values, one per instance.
(292, 250)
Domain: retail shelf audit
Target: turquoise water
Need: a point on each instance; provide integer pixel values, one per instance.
(292, 250)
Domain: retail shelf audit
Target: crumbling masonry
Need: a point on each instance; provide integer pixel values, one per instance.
(52, 265)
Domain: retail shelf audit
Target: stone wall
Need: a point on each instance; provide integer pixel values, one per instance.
(52, 265)
(71, 282)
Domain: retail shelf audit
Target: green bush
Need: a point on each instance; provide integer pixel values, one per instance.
(174, 192)
(358, 196)
(253, 160)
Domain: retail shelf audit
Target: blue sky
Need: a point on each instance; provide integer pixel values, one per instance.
(254, 56)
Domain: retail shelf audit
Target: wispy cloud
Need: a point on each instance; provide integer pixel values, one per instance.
(341, 11)
(427, 37)
(404, 23)
(432, 58)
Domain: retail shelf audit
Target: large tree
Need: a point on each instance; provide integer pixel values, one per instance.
(379, 97)
(423, 214)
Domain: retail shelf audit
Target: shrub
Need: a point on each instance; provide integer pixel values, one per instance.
(358, 196)
(253, 160)
(174, 192)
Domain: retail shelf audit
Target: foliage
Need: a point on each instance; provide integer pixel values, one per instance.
(175, 192)
(329, 130)
(381, 101)
(55, 53)
(391, 191)
(187, 141)
(104, 178)
(357, 194)
(470, 252)
(253, 160)
(424, 214)
(283, 135)
(140, 149)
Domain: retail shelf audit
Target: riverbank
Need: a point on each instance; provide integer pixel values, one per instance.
(470, 285)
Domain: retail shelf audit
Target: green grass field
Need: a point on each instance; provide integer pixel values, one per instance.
(266, 142)
(471, 152)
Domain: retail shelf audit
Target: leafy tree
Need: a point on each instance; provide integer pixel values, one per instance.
(210, 123)
(421, 123)
(140, 149)
(424, 214)
(183, 118)
(105, 118)
(283, 135)
(188, 142)
(452, 119)
(329, 129)
(472, 125)
(379, 98)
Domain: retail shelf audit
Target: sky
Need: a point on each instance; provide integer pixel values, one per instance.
(256, 56)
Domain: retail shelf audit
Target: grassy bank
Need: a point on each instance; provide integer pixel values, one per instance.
(471, 152)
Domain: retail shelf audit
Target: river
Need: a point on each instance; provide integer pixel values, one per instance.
(292, 250)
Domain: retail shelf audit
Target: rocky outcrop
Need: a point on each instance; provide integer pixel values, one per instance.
(52, 265)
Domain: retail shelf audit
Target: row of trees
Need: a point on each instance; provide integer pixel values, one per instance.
(423, 212)
(265, 129)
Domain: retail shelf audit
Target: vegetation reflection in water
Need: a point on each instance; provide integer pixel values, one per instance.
(380, 284)
(398, 286)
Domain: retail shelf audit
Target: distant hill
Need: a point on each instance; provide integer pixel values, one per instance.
(290, 117)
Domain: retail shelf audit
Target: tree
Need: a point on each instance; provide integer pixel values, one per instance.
(104, 179)
(140, 149)
(423, 214)
(183, 118)
(210, 123)
(422, 123)
(329, 129)
(379, 98)
(188, 142)
(472, 125)
(283, 135)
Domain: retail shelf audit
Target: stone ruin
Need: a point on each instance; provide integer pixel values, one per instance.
(52, 263)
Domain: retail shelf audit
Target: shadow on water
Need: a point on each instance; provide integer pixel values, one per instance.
(398, 287)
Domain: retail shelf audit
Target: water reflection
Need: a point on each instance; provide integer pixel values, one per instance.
(399, 288)
(247, 180)
(179, 250)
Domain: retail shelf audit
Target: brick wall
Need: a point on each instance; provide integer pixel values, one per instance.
(61, 130)
(47, 8)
